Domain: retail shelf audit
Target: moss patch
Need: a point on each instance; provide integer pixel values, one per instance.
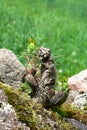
(21, 104)
(68, 110)
(63, 125)
(33, 114)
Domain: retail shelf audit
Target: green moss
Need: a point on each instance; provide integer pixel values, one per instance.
(63, 125)
(71, 111)
(28, 111)
(21, 104)
(68, 110)
(60, 111)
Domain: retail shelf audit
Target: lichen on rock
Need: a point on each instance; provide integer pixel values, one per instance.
(21, 105)
(11, 69)
(8, 116)
(31, 113)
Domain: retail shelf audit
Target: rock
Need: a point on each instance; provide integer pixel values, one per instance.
(71, 96)
(18, 111)
(8, 117)
(77, 86)
(78, 82)
(77, 124)
(70, 111)
(80, 101)
(11, 70)
(78, 94)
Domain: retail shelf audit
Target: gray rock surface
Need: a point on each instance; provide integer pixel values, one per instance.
(8, 118)
(77, 124)
(80, 100)
(11, 70)
(71, 96)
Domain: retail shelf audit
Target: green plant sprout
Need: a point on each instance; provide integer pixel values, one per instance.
(31, 48)
(32, 61)
(32, 51)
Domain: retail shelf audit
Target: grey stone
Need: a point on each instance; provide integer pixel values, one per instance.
(8, 117)
(11, 70)
(80, 100)
(71, 96)
(77, 124)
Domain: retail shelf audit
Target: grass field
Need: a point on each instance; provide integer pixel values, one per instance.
(60, 25)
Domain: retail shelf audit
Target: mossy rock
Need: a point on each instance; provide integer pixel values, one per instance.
(68, 110)
(29, 111)
(21, 104)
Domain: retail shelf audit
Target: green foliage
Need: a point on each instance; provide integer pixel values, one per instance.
(32, 50)
(25, 88)
(61, 83)
(60, 111)
(59, 25)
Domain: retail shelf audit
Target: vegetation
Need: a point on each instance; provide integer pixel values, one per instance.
(68, 110)
(32, 113)
(59, 25)
(22, 106)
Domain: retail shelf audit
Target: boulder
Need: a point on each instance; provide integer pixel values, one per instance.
(19, 112)
(78, 89)
(71, 96)
(8, 117)
(77, 124)
(80, 101)
(11, 70)
(78, 82)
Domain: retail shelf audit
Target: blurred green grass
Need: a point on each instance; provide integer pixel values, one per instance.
(60, 25)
